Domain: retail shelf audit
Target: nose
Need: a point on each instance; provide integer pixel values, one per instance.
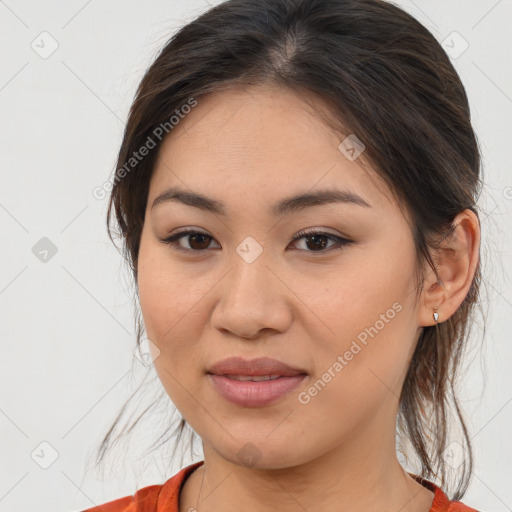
(252, 299)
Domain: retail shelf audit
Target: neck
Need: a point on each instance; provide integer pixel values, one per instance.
(358, 475)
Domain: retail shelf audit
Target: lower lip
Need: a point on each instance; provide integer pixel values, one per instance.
(249, 393)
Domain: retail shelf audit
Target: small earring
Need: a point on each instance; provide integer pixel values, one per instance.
(436, 315)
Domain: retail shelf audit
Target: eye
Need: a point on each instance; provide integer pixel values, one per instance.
(199, 241)
(319, 239)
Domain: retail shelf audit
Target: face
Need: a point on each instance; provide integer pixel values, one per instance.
(338, 305)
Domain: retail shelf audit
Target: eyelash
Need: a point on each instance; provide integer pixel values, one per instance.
(339, 241)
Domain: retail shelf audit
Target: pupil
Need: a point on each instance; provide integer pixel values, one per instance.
(192, 237)
(316, 237)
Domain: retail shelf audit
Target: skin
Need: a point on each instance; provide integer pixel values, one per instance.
(299, 303)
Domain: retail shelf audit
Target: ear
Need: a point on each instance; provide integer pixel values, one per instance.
(456, 261)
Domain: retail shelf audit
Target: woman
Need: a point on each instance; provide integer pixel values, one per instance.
(296, 191)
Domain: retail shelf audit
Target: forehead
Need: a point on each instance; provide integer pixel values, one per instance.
(259, 141)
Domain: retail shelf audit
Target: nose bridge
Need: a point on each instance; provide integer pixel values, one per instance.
(250, 275)
(250, 298)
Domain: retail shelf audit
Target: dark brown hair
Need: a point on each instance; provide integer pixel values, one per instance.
(382, 76)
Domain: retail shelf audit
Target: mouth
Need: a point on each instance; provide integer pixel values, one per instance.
(254, 378)
(256, 382)
(260, 367)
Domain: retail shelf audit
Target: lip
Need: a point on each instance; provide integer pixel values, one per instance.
(254, 367)
(254, 393)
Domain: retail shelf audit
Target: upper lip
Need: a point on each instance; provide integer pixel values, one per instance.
(250, 367)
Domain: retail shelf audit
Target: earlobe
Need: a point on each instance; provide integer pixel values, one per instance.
(456, 261)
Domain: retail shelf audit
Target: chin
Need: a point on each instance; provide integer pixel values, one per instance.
(260, 453)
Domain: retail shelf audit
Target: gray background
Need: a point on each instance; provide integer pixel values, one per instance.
(67, 322)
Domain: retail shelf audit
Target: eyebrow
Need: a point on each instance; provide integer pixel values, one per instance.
(291, 204)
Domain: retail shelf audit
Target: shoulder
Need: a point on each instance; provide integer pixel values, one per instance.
(457, 506)
(144, 500)
(153, 498)
(441, 502)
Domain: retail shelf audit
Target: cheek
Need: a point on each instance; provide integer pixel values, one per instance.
(165, 293)
(161, 305)
(354, 296)
(174, 310)
(365, 314)
(170, 321)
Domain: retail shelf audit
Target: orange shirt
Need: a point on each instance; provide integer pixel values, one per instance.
(164, 498)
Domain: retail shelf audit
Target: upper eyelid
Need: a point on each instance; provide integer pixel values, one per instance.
(299, 234)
